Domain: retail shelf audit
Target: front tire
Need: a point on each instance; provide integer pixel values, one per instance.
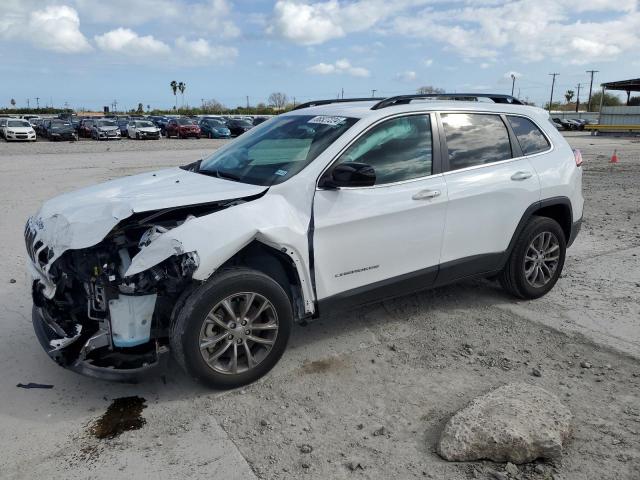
(536, 261)
(233, 329)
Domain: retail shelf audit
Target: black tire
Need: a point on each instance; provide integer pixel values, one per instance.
(189, 320)
(513, 278)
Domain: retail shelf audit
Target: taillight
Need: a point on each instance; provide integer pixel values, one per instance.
(577, 154)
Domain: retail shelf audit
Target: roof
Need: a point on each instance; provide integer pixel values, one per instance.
(363, 109)
(632, 85)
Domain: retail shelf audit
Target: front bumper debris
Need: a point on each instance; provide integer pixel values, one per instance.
(73, 353)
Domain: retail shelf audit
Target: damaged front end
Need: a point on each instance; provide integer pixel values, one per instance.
(90, 316)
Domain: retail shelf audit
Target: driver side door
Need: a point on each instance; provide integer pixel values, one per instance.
(383, 240)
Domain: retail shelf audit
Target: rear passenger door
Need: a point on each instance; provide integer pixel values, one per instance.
(490, 185)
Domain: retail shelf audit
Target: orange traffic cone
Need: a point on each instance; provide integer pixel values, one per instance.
(614, 157)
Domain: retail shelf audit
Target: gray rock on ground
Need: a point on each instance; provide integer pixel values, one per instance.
(515, 423)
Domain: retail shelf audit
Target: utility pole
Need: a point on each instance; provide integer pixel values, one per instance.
(373, 93)
(294, 102)
(590, 88)
(553, 83)
(513, 83)
(247, 102)
(28, 103)
(578, 98)
(342, 94)
(38, 103)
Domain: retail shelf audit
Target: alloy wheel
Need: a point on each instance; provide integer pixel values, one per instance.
(238, 333)
(541, 259)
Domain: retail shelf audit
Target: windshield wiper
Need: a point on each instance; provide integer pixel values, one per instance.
(227, 175)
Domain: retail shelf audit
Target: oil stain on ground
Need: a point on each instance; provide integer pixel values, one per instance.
(123, 414)
(323, 366)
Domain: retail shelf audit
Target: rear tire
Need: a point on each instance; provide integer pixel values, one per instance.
(256, 300)
(536, 261)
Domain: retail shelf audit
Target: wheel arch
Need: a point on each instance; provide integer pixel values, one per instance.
(278, 265)
(556, 208)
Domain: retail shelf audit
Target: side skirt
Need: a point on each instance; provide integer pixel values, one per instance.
(471, 267)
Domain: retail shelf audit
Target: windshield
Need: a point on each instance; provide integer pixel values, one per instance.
(185, 121)
(18, 123)
(215, 123)
(144, 124)
(106, 123)
(241, 123)
(275, 151)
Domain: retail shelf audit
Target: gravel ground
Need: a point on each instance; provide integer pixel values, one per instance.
(406, 365)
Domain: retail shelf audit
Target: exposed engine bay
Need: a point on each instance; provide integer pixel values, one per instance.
(93, 318)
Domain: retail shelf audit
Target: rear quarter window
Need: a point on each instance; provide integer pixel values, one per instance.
(530, 137)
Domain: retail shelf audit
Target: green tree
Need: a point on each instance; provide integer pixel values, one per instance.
(569, 95)
(634, 101)
(610, 100)
(174, 89)
(140, 108)
(428, 89)
(13, 102)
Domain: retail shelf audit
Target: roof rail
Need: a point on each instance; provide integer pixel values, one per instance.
(404, 99)
(316, 103)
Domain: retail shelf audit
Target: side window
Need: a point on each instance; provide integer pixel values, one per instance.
(529, 136)
(475, 139)
(398, 149)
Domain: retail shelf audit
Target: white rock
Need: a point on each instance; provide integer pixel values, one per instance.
(515, 423)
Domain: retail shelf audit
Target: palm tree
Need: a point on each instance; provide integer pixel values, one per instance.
(13, 102)
(182, 87)
(174, 88)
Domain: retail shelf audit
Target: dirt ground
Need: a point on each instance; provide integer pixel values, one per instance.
(360, 395)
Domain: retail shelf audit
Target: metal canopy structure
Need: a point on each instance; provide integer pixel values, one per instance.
(623, 85)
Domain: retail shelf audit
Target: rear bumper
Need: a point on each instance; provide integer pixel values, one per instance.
(575, 229)
(69, 358)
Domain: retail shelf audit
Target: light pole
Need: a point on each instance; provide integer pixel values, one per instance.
(552, 85)
(590, 88)
(513, 83)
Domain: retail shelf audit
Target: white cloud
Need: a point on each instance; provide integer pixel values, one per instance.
(211, 16)
(55, 27)
(342, 66)
(428, 62)
(201, 51)
(533, 30)
(314, 23)
(408, 76)
(127, 42)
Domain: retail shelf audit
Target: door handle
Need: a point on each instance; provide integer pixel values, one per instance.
(426, 194)
(521, 176)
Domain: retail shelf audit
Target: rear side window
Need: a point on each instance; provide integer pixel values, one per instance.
(529, 136)
(475, 139)
(398, 149)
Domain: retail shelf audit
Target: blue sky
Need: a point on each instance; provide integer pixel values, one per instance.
(88, 53)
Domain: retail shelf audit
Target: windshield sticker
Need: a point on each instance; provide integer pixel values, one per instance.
(281, 173)
(333, 121)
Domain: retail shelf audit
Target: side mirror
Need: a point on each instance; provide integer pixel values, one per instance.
(350, 174)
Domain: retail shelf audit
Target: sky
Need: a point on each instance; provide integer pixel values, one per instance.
(90, 53)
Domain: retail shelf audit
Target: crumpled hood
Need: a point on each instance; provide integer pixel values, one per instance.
(82, 218)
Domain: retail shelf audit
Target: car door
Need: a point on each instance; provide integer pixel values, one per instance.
(382, 240)
(490, 185)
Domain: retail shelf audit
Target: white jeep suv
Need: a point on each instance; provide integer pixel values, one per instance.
(334, 204)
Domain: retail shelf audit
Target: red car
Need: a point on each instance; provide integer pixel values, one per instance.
(182, 128)
(85, 127)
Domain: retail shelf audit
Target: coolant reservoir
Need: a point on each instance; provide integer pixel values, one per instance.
(131, 319)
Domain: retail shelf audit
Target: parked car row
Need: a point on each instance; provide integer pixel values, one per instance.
(72, 128)
(569, 123)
